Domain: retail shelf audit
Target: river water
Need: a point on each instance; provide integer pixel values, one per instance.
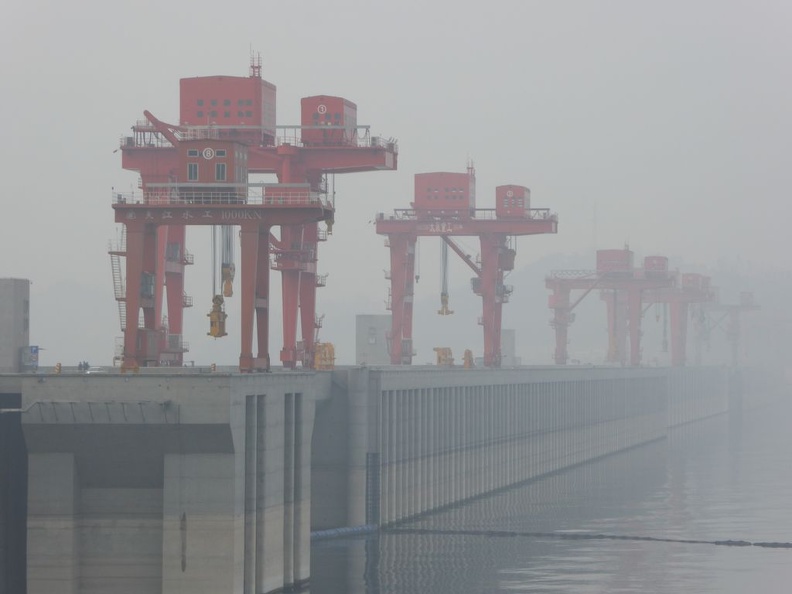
(588, 529)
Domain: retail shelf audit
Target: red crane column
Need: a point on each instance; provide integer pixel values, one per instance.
(617, 326)
(250, 238)
(492, 293)
(679, 318)
(402, 257)
(262, 297)
(635, 311)
(562, 318)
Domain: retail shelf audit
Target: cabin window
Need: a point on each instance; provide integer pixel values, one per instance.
(220, 172)
(192, 171)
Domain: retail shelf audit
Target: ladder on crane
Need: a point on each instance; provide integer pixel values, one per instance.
(116, 252)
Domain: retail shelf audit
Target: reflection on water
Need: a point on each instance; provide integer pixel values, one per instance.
(724, 479)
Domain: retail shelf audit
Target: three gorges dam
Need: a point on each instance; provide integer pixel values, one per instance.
(173, 480)
(155, 478)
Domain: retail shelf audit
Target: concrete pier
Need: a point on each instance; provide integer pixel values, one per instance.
(168, 483)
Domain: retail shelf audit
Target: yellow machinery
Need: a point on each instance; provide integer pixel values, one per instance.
(468, 359)
(227, 272)
(444, 357)
(217, 317)
(324, 357)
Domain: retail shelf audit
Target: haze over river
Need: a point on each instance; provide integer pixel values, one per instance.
(724, 479)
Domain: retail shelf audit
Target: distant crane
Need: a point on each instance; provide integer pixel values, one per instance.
(445, 206)
(622, 288)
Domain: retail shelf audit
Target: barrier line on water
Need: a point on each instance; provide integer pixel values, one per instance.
(585, 536)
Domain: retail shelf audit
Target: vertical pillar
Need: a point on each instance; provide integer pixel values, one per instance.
(288, 488)
(262, 298)
(635, 311)
(491, 285)
(250, 251)
(291, 238)
(53, 523)
(308, 293)
(251, 465)
(358, 446)
(734, 335)
(679, 317)
(401, 298)
(562, 317)
(134, 270)
(303, 429)
(174, 281)
(149, 304)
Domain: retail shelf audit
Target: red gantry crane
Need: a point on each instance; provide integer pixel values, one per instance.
(731, 314)
(692, 288)
(445, 207)
(622, 287)
(196, 173)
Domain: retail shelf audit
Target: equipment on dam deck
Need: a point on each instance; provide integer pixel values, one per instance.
(444, 206)
(217, 318)
(467, 358)
(444, 357)
(325, 356)
(621, 286)
(197, 172)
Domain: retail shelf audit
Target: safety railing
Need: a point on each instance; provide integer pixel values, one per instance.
(478, 214)
(147, 136)
(236, 194)
(571, 274)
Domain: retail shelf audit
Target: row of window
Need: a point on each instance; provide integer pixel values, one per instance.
(226, 102)
(226, 114)
(328, 116)
(196, 152)
(192, 172)
(447, 196)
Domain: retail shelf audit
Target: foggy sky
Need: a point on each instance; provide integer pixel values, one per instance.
(665, 125)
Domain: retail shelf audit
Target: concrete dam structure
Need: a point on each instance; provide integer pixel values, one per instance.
(212, 483)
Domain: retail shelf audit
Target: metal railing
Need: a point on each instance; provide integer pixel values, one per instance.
(563, 274)
(175, 194)
(461, 214)
(147, 136)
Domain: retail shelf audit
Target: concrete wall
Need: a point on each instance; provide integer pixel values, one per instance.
(169, 483)
(417, 440)
(165, 483)
(14, 322)
(13, 495)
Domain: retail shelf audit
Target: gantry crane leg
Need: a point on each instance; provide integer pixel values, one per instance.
(250, 240)
(261, 299)
(402, 257)
(492, 297)
(679, 317)
(291, 278)
(635, 312)
(307, 304)
(174, 282)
